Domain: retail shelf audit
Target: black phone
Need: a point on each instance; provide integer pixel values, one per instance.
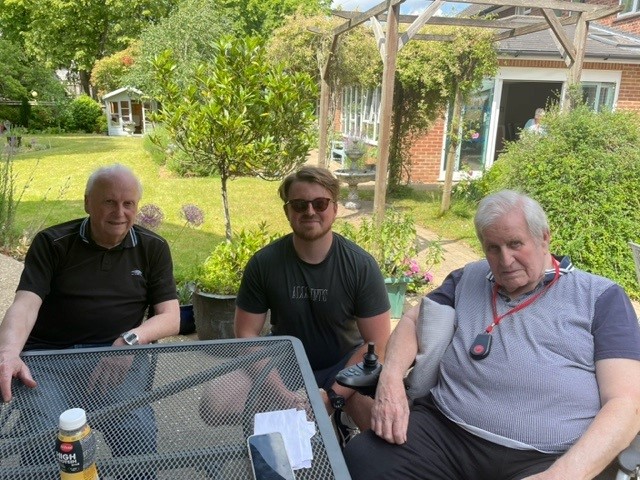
(269, 459)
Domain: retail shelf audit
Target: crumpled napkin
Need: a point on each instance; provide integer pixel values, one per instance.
(296, 432)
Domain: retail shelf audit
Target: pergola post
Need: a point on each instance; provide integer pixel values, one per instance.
(325, 96)
(388, 84)
(575, 71)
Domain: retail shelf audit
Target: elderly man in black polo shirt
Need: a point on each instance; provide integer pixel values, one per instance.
(89, 282)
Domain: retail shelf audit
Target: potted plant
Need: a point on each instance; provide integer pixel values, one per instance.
(14, 136)
(393, 244)
(218, 281)
(185, 291)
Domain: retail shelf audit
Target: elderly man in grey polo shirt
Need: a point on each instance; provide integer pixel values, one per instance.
(540, 380)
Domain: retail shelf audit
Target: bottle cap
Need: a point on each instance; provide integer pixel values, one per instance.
(72, 419)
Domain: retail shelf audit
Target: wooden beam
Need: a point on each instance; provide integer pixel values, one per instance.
(602, 13)
(364, 17)
(425, 37)
(386, 107)
(451, 21)
(378, 31)
(418, 23)
(532, 28)
(550, 4)
(558, 29)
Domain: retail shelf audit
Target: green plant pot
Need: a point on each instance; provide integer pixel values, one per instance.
(396, 290)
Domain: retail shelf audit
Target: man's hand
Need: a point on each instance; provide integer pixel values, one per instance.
(110, 372)
(13, 367)
(390, 414)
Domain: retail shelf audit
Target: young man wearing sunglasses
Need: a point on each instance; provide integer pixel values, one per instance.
(320, 287)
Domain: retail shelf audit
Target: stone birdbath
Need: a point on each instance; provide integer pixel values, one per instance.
(352, 177)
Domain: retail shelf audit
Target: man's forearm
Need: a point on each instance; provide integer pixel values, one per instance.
(164, 324)
(402, 347)
(613, 428)
(18, 322)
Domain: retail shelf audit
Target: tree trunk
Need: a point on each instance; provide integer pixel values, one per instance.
(84, 82)
(225, 207)
(454, 132)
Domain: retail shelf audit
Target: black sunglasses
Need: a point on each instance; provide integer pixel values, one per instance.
(319, 204)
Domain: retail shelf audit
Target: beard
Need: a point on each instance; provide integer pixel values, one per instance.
(312, 232)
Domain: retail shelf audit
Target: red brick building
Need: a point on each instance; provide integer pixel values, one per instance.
(531, 73)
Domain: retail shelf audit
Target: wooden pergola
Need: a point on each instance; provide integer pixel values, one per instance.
(390, 40)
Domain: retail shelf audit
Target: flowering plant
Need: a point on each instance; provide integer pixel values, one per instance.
(355, 144)
(418, 277)
(151, 216)
(393, 244)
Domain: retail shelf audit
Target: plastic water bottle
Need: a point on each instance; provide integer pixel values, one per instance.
(76, 447)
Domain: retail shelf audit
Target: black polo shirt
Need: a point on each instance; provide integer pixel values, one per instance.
(92, 294)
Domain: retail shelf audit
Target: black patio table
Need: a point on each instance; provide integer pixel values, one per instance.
(181, 411)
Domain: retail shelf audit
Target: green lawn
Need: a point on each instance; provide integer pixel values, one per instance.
(55, 178)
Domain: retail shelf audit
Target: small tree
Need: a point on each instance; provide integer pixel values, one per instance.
(237, 115)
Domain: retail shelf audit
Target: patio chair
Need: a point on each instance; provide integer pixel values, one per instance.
(337, 152)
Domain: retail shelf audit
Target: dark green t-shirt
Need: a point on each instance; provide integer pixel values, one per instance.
(316, 303)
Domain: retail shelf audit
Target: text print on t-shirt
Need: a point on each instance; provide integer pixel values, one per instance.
(315, 294)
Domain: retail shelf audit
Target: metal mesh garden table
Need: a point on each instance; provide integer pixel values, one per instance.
(182, 411)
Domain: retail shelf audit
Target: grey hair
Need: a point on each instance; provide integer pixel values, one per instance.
(495, 206)
(538, 112)
(108, 171)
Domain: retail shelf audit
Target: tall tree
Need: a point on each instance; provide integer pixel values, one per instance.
(73, 34)
(238, 115)
(188, 32)
(261, 17)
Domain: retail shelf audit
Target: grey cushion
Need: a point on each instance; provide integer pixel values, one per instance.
(434, 327)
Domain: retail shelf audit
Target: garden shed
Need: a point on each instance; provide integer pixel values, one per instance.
(128, 111)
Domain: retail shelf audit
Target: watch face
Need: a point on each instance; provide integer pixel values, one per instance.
(130, 338)
(337, 401)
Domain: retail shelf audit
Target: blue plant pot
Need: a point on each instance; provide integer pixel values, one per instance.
(187, 320)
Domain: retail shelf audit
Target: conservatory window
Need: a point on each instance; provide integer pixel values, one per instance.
(361, 112)
(629, 6)
(598, 95)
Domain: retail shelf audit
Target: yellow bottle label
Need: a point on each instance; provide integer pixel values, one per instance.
(76, 453)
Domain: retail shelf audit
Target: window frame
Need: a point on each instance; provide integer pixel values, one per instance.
(633, 10)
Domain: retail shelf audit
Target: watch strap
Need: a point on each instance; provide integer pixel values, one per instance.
(337, 401)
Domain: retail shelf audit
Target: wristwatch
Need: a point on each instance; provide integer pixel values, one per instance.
(337, 401)
(130, 338)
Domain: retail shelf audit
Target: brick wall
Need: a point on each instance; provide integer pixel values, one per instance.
(426, 152)
(629, 23)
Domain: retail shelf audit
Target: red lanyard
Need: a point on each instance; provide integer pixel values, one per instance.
(494, 298)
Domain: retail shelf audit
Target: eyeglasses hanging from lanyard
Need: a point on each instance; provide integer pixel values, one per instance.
(482, 344)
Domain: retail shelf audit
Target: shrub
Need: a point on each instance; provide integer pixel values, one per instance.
(222, 271)
(584, 172)
(83, 115)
